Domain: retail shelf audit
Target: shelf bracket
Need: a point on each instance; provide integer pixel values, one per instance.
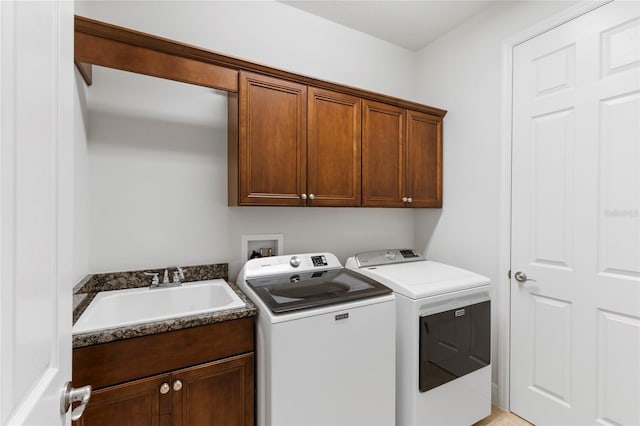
(86, 71)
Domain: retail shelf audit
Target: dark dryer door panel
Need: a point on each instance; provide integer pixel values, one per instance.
(454, 343)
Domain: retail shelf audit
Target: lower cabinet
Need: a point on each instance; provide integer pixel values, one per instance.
(215, 393)
(197, 376)
(218, 393)
(139, 402)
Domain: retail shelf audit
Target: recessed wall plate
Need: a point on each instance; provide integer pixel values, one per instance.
(266, 244)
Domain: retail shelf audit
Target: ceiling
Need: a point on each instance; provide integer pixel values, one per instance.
(409, 24)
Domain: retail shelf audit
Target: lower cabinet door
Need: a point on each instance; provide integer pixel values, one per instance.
(216, 394)
(137, 403)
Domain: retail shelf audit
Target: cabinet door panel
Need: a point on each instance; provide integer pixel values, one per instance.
(272, 141)
(383, 138)
(215, 394)
(136, 403)
(424, 160)
(333, 158)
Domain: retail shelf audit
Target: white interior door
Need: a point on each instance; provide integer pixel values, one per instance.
(36, 209)
(575, 330)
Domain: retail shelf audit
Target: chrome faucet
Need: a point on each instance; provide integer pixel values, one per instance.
(177, 277)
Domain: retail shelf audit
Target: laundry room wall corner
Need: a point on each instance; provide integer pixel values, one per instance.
(465, 232)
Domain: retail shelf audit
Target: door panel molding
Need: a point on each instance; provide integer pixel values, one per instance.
(560, 191)
(504, 237)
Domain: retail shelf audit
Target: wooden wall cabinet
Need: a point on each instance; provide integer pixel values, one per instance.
(383, 155)
(353, 153)
(423, 179)
(209, 382)
(401, 157)
(333, 156)
(293, 140)
(290, 144)
(267, 142)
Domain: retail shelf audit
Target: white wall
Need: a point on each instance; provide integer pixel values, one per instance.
(157, 149)
(462, 72)
(158, 180)
(80, 181)
(274, 34)
(80, 173)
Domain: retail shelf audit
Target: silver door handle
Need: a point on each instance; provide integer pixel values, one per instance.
(303, 196)
(71, 395)
(522, 277)
(312, 197)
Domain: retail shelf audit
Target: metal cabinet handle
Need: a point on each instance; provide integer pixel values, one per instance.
(177, 385)
(312, 197)
(71, 395)
(303, 196)
(522, 277)
(164, 388)
(404, 199)
(409, 200)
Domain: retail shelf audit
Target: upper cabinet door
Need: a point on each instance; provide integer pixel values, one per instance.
(424, 160)
(333, 157)
(383, 140)
(272, 144)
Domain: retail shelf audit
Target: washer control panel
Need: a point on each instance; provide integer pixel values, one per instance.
(319, 261)
(386, 257)
(284, 264)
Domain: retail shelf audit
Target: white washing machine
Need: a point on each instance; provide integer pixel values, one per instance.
(443, 370)
(325, 342)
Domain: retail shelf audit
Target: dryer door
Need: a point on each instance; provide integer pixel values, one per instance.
(454, 343)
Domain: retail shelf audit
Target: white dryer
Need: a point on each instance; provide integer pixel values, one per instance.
(443, 337)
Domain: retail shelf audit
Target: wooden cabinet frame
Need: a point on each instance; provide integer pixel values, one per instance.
(401, 157)
(126, 375)
(112, 46)
(120, 48)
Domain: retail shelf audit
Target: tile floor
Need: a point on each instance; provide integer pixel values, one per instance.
(499, 417)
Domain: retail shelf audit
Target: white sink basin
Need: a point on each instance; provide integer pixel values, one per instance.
(110, 309)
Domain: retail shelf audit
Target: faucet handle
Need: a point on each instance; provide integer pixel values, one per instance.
(178, 274)
(155, 280)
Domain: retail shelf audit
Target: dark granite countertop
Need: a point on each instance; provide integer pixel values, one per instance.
(85, 291)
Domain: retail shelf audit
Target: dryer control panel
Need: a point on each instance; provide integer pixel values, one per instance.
(386, 257)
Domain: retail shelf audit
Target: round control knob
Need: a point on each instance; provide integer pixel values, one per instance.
(295, 261)
(164, 388)
(390, 255)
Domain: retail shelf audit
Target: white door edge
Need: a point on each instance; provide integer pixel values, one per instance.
(504, 231)
(36, 162)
